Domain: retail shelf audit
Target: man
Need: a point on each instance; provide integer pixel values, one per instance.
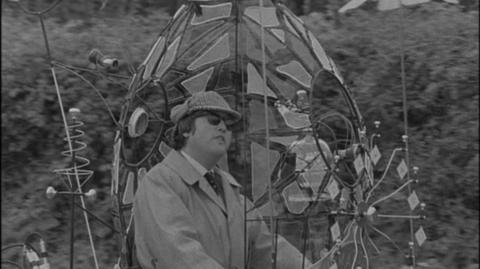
(189, 213)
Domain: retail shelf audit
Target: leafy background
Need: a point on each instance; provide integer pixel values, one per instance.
(441, 46)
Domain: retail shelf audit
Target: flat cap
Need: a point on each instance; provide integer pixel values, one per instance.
(205, 101)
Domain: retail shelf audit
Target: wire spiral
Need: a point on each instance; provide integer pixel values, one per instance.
(78, 163)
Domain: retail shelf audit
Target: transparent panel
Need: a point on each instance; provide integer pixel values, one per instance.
(255, 83)
(260, 174)
(128, 193)
(293, 119)
(297, 72)
(218, 51)
(167, 58)
(320, 53)
(198, 83)
(295, 198)
(272, 45)
(116, 163)
(212, 12)
(279, 33)
(285, 86)
(284, 140)
(256, 115)
(153, 56)
(310, 162)
(290, 27)
(297, 23)
(164, 149)
(269, 17)
(336, 71)
(180, 10)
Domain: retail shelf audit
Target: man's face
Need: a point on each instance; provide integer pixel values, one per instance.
(210, 136)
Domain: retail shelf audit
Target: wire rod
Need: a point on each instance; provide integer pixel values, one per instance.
(384, 173)
(11, 263)
(387, 237)
(399, 216)
(362, 244)
(117, 124)
(356, 247)
(267, 125)
(98, 219)
(373, 244)
(391, 194)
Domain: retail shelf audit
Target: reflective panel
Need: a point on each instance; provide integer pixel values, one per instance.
(116, 163)
(295, 199)
(212, 12)
(413, 2)
(272, 45)
(413, 200)
(260, 174)
(180, 10)
(219, 51)
(153, 56)
(164, 149)
(332, 189)
(279, 33)
(388, 4)
(255, 83)
(335, 70)
(351, 5)
(297, 23)
(289, 26)
(297, 72)
(129, 193)
(309, 160)
(167, 58)
(420, 236)
(286, 87)
(320, 53)
(284, 140)
(269, 18)
(293, 119)
(198, 83)
(304, 54)
(257, 112)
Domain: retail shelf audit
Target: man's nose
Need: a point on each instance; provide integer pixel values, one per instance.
(222, 127)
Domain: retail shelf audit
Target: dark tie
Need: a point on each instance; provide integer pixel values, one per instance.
(215, 180)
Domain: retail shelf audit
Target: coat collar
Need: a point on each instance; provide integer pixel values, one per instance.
(176, 161)
(188, 173)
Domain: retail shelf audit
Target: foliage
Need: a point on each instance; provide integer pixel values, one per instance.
(441, 63)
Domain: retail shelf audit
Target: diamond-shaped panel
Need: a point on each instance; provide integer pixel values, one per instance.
(358, 194)
(413, 200)
(359, 165)
(332, 189)
(375, 155)
(402, 169)
(335, 231)
(420, 236)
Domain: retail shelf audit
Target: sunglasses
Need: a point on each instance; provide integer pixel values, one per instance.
(213, 119)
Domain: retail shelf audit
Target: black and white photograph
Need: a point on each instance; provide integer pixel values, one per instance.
(240, 134)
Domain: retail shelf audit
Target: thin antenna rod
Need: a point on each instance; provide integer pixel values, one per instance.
(405, 122)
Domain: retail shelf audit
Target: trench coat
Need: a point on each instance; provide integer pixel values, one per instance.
(181, 223)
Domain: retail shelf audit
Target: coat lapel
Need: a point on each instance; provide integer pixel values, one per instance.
(190, 175)
(235, 219)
